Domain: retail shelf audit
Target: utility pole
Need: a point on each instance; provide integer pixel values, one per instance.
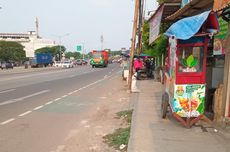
(37, 27)
(137, 4)
(60, 48)
(139, 47)
(102, 41)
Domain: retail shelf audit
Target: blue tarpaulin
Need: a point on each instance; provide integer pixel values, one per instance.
(187, 27)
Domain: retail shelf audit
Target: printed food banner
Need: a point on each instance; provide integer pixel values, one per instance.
(220, 40)
(188, 100)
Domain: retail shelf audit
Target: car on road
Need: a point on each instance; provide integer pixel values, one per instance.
(81, 62)
(84, 62)
(57, 64)
(6, 65)
(67, 64)
(78, 62)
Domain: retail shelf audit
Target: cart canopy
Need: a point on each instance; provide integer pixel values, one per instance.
(189, 26)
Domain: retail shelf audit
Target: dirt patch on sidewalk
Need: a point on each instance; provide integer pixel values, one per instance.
(99, 121)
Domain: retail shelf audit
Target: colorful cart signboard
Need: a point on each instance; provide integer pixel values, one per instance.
(189, 100)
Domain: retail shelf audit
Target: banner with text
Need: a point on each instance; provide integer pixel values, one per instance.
(154, 25)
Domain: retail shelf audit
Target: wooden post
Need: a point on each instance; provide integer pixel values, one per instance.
(226, 96)
(137, 4)
(227, 107)
(218, 104)
(139, 47)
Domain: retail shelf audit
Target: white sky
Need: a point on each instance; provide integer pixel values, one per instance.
(84, 20)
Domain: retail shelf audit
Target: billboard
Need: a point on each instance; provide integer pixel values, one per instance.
(154, 25)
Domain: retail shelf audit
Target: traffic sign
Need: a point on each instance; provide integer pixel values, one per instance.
(79, 47)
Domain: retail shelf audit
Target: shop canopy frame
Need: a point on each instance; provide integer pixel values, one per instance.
(192, 26)
(192, 8)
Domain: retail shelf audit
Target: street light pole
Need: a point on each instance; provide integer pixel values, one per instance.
(60, 50)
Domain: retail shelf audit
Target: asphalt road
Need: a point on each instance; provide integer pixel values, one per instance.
(37, 108)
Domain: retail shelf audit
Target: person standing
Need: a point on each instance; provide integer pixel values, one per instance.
(138, 65)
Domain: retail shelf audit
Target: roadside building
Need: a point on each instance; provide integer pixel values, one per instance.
(31, 41)
(222, 7)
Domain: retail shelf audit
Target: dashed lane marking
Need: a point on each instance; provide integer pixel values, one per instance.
(64, 96)
(7, 121)
(5, 91)
(22, 98)
(57, 99)
(39, 107)
(49, 102)
(25, 113)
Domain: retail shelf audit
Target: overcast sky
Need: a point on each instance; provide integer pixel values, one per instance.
(84, 20)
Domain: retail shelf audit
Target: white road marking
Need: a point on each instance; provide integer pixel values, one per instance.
(7, 90)
(57, 99)
(64, 96)
(39, 107)
(7, 121)
(49, 102)
(25, 113)
(22, 98)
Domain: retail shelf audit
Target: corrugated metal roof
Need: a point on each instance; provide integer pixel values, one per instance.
(170, 7)
(220, 5)
(194, 7)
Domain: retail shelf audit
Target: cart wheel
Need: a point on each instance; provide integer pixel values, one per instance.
(164, 105)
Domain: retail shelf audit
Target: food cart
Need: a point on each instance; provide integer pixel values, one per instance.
(185, 67)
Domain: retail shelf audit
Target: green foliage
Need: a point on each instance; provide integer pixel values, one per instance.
(56, 51)
(190, 61)
(11, 51)
(158, 47)
(90, 55)
(160, 1)
(119, 137)
(76, 55)
(127, 114)
(114, 53)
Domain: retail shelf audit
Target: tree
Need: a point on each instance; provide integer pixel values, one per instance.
(160, 1)
(76, 55)
(11, 51)
(158, 47)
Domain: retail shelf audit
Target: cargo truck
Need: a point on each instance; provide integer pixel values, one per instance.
(100, 58)
(42, 60)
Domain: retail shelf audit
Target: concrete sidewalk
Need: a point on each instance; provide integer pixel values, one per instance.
(150, 133)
